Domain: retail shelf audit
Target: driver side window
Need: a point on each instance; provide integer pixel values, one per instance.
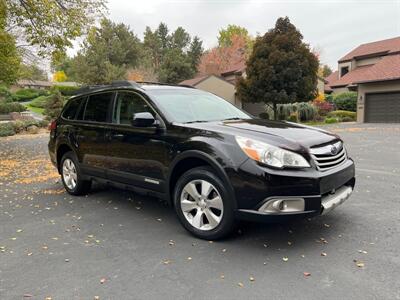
(127, 104)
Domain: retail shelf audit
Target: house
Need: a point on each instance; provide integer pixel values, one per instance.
(224, 85)
(372, 70)
(217, 85)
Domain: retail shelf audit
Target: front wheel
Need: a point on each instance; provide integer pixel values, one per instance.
(203, 205)
(71, 175)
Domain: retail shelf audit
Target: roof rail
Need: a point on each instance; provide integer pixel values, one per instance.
(161, 83)
(117, 83)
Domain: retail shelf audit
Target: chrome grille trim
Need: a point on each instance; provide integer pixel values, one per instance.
(325, 160)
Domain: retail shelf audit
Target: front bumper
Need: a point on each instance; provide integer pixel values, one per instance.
(320, 192)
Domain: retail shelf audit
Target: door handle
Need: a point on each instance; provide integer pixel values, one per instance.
(117, 136)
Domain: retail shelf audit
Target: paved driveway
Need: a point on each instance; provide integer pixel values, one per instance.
(117, 245)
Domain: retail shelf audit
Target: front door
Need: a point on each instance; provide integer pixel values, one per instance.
(136, 155)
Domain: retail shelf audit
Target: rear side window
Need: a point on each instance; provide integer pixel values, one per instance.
(97, 107)
(71, 109)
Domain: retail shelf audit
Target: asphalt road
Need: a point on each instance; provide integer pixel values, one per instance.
(115, 244)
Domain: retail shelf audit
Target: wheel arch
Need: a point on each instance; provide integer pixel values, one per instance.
(191, 159)
(61, 150)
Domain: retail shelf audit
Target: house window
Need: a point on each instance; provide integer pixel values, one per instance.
(344, 71)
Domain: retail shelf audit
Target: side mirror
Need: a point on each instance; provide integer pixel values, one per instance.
(143, 119)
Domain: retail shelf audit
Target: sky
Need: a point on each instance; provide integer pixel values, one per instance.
(333, 27)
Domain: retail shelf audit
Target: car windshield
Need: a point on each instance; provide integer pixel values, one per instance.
(191, 105)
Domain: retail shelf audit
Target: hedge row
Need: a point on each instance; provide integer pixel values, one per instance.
(11, 128)
(7, 107)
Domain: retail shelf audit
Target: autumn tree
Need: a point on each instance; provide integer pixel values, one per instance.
(281, 68)
(226, 35)
(224, 57)
(51, 25)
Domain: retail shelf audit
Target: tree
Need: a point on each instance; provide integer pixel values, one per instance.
(226, 34)
(32, 72)
(222, 58)
(176, 67)
(54, 105)
(9, 57)
(107, 53)
(281, 68)
(324, 71)
(52, 24)
(59, 76)
(162, 47)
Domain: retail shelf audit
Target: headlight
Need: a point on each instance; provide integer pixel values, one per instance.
(271, 155)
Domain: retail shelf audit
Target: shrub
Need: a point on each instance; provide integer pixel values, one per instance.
(293, 117)
(28, 94)
(331, 120)
(54, 105)
(7, 107)
(341, 114)
(323, 108)
(5, 94)
(329, 98)
(346, 101)
(6, 129)
(40, 101)
(65, 90)
(22, 125)
(264, 115)
(347, 119)
(305, 111)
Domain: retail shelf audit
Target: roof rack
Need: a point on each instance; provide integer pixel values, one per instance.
(117, 83)
(122, 83)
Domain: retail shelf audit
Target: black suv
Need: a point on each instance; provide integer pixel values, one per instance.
(211, 161)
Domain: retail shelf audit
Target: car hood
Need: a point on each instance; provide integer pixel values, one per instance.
(290, 134)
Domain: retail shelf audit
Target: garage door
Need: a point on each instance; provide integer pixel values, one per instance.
(382, 108)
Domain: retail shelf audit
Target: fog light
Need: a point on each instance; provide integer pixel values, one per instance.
(277, 205)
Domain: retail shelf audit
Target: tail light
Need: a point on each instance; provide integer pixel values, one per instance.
(53, 125)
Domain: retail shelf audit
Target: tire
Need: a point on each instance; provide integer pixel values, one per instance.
(73, 184)
(205, 217)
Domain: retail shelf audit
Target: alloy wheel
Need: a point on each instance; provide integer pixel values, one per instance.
(201, 204)
(69, 174)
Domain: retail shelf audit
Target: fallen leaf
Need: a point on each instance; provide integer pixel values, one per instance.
(19, 230)
(323, 254)
(306, 274)
(28, 295)
(222, 276)
(240, 284)
(103, 280)
(189, 258)
(224, 250)
(289, 243)
(96, 298)
(285, 258)
(251, 278)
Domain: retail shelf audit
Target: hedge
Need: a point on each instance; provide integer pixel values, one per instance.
(28, 94)
(346, 101)
(11, 128)
(66, 90)
(40, 101)
(343, 115)
(7, 107)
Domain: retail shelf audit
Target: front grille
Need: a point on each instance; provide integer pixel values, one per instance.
(329, 156)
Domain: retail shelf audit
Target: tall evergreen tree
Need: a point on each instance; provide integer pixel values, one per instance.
(281, 68)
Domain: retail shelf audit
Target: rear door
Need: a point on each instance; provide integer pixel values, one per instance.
(136, 155)
(91, 126)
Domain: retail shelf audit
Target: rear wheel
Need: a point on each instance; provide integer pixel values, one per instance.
(203, 205)
(71, 175)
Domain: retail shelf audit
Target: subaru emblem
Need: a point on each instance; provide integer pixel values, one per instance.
(334, 150)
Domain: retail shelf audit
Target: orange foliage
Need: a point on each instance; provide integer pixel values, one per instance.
(223, 58)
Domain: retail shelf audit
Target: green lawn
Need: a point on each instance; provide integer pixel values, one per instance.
(34, 109)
